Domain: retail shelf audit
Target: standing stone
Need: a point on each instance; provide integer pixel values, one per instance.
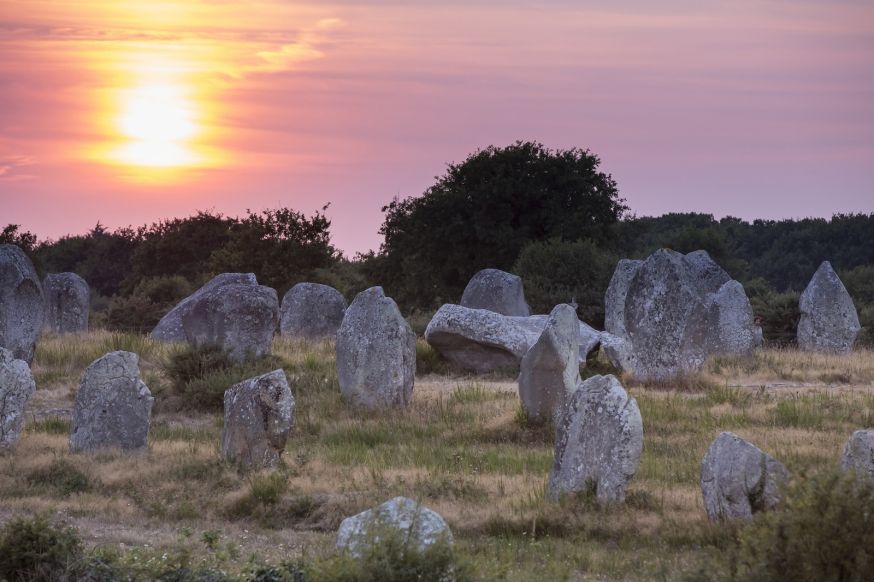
(113, 406)
(599, 439)
(726, 327)
(419, 526)
(169, 329)
(738, 479)
(859, 454)
(21, 303)
(614, 300)
(376, 353)
(16, 388)
(311, 311)
(259, 414)
(67, 299)
(550, 370)
(239, 319)
(496, 291)
(829, 321)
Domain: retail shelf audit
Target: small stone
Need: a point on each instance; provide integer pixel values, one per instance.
(829, 322)
(22, 308)
(68, 301)
(311, 311)
(497, 291)
(16, 388)
(859, 454)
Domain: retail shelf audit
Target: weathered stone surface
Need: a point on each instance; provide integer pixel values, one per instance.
(113, 406)
(259, 414)
(376, 352)
(419, 526)
(829, 321)
(482, 340)
(240, 319)
(311, 311)
(739, 479)
(21, 303)
(599, 439)
(16, 388)
(859, 454)
(550, 370)
(169, 329)
(727, 326)
(497, 291)
(614, 300)
(68, 302)
(706, 274)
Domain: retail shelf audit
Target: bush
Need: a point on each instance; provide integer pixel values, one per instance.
(778, 313)
(150, 300)
(36, 550)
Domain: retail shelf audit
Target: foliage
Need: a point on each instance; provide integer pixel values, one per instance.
(150, 300)
(36, 550)
(778, 313)
(62, 477)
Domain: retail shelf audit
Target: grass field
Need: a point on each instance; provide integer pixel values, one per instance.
(461, 449)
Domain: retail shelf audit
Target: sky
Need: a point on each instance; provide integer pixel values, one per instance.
(131, 111)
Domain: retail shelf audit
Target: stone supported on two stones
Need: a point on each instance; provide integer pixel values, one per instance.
(599, 439)
(829, 322)
(16, 388)
(67, 300)
(859, 454)
(497, 291)
(311, 311)
(113, 406)
(738, 479)
(376, 353)
(21, 303)
(259, 414)
(550, 370)
(419, 526)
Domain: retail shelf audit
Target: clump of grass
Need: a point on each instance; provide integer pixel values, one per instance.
(61, 478)
(429, 360)
(265, 492)
(50, 425)
(473, 393)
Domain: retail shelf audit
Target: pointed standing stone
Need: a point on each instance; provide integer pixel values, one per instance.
(829, 321)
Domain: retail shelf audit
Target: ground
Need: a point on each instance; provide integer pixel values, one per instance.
(462, 448)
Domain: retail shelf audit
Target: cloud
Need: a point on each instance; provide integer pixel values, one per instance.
(11, 167)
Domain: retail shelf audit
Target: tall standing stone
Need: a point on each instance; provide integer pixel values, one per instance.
(496, 291)
(859, 454)
(259, 414)
(113, 406)
(21, 303)
(311, 311)
(599, 439)
(829, 321)
(16, 388)
(68, 300)
(550, 370)
(614, 300)
(738, 479)
(376, 352)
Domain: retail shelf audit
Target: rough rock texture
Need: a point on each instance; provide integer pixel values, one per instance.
(550, 370)
(739, 479)
(614, 300)
(311, 311)
(420, 526)
(829, 321)
(16, 388)
(259, 414)
(240, 319)
(169, 329)
(21, 303)
(677, 311)
(68, 300)
(859, 454)
(113, 406)
(482, 340)
(376, 352)
(599, 439)
(496, 291)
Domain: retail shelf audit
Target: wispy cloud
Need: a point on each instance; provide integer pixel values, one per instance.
(12, 167)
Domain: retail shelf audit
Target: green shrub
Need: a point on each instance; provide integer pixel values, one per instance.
(36, 550)
(61, 476)
(150, 300)
(778, 313)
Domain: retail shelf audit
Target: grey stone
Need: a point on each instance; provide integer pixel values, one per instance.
(829, 321)
(738, 479)
(376, 353)
(16, 388)
(614, 299)
(727, 327)
(311, 311)
(21, 303)
(859, 454)
(240, 319)
(113, 406)
(419, 526)
(599, 439)
(497, 291)
(259, 414)
(550, 370)
(169, 329)
(68, 301)
(705, 273)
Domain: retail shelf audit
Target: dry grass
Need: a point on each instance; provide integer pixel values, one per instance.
(459, 448)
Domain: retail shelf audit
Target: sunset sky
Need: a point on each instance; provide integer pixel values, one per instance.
(129, 111)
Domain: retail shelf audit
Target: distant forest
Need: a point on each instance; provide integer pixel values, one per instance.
(550, 216)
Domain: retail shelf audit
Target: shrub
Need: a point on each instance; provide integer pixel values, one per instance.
(34, 549)
(62, 477)
(150, 300)
(778, 312)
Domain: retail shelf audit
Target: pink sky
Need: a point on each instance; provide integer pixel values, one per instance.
(744, 108)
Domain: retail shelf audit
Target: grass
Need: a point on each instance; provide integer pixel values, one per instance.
(461, 448)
